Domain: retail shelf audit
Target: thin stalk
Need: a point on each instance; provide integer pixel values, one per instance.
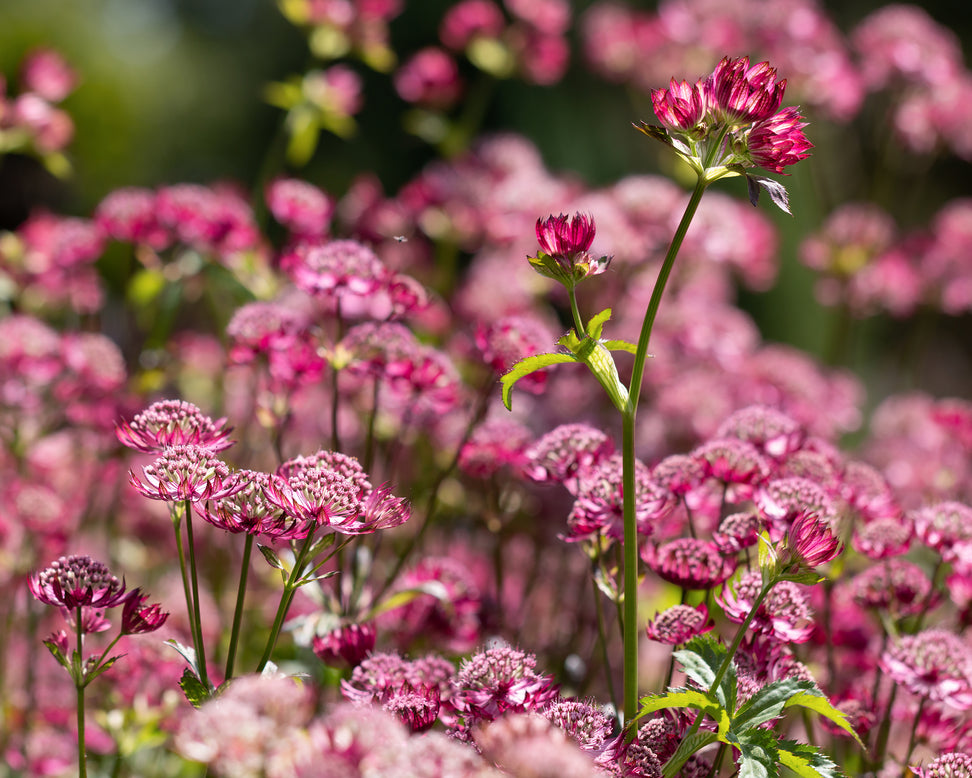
(369, 452)
(195, 615)
(628, 418)
(285, 599)
(575, 311)
(79, 684)
(914, 735)
(238, 612)
(881, 747)
(187, 590)
(602, 638)
(335, 398)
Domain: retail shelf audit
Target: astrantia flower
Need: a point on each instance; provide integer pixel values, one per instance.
(139, 618)
(942, 525)
(691, 563)
(173, 423)
(528, 746)
(564, 249)
(348, 644)
(506, 341)
(679, 624)
(772, 432)
(186, 473)
(497, 681)
(883, 538)
(738, 93)
(310, 499)
(778, 142)
(567, 454)
(784, 615)
(934, 664)
(77, 582)
(335, 269)
(954, 765)
(245, 510)
(896, 586)
(810, 542)
(733, 462)
(583, 722)
(682, 107)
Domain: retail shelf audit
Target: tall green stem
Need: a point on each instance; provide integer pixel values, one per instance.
(575, 312)
(195, 616)
(186, 588)
(238, 613)
(79, 683)
(628, 418)
(286, 598)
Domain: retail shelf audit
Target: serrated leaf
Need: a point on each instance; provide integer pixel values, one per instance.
(819, 703)
(701, 659)
(769, 702)
(654, 131)
(526, 366)
(620, 345)
(196, 693)
(805, 760)
(688, 746)
(271, 556)
(599, 361)
(596, 324)
(774, 189)
(758, 754)
(685, 698)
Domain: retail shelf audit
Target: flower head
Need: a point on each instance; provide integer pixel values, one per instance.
(679, 624)
(784, 615)
(810, 542)
(138, 618)
(954, 765)
(778, 142)
(682, 107)
(564, 249)
(186, 473)
(347, 644)
(77, 582)
(739, 94)
(173, 423)
(691, 563)
(933, 664)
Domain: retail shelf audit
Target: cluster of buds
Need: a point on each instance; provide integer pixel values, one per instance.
(730, 120)
(564, 253)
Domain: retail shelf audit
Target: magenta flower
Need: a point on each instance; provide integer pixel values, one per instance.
(682, 107)
(564, 249)
(740, 94)
(245, 510)
(138, 618)
(567, 454)
(509, 339)
(778, 141)
(679, 624)
(186, 473)
(77, 582)
(335, 269)
(810, 542)
(347, 644)
(784, 615)
(933, 664)
(299, 206)
(310, 499)
(691, 563)
(379, 510)
(896, 586)
(173, 423)
(951, 765)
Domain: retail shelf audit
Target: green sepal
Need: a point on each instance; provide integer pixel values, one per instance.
(58, 655)
(322, 577)
(805, 577)
(805, 760)
(527, 366)
(102, 668)
(271, 556)
(194, 689)
(815, 700)
(405, 596)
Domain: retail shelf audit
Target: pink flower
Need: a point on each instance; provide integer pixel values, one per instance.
(512, 338)
(738, 93)
(933, 664)
(564, 245)
(348, 644)
(810, 542)
(170, 423)
(300, 206)
(691, 563)
(468, 20)
(186, 473)
(778, 141)
(954, 765)
(129, 215)
(77, 582)
(44, 72)
(679, 624)
(337, 268)
(138, 618)
(567, 454)
(784, 616)
(310, 499)
(429, 78)
(682, 107)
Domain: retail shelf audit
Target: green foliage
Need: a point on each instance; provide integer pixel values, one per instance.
(195, 690)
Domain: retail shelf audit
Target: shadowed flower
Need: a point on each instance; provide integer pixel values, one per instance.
(778, 142)
(583, 722)
(138, 618)
(512, 338)
(679, 624)
(170, 423)
(530, 746)
(335, 269)
(564, 249)
(77, 582)
(186, 473)
(933, 664)
(691, 563)
(567, 454)
(245, 510)
(347, 644)
(896, 586)
(772, 432)
(943, 525)
(493, 445)
(883, 538)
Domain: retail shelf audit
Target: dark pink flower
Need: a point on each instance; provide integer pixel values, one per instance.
(129, 215)
(778, 141)
(493, 445)
(468, 20)
(682, 107)
(45, 73)
(564, 249)
(185, 473)
(810, 542)
(691, 563)
(954, 765)
(379, 510)
(896, 586)
(739, 94)
(934, 664)
(567, 454)
(774, 433)
(781, 502)
(679, 624)
(734, 462)
(170, 423)
(245, 510)
(883, 538)
(139, 618)
(429, 78)
(943, 525)
(348, 644)
(77, 582)
(310, 499)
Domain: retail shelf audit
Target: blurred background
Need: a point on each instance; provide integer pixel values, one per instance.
(175, 91)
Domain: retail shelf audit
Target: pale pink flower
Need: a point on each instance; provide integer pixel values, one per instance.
(301, 207)
(46, 73)
(429, 78)
(933, 664)
(185, 473)
(784, 616)
(168, 423)
(679, 624)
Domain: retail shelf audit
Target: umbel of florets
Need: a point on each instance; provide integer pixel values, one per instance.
(564, 253)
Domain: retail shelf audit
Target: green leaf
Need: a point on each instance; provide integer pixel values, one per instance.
(620, 345)
(774, 189)
(196, 693)
(758, 754)
(768, 703)
(679, 698)
(57, 654)
(405, 596)
(596, 324)
(529, 365)
(103, 667)
(815, 700)
(701, 659)
(805, 760)
(188, 653)
(688, 746)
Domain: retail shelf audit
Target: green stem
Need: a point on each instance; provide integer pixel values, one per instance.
(575, 311)
(369, 452)
(187, 590)
(335, 398)
(79, 684)
(628, 418)
(286, 598)
(914, 735)
(238, 613)
(195, 615)
(602, 637)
